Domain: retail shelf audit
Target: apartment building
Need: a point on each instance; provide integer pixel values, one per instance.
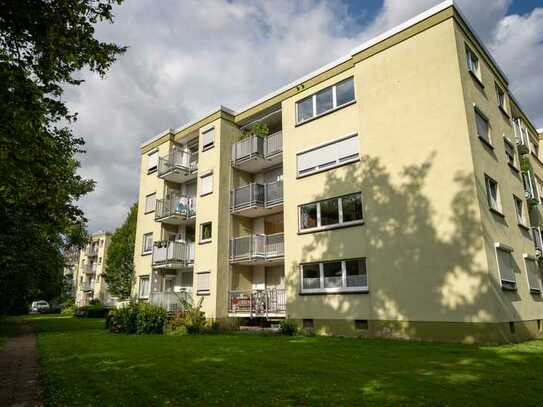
(92, 265)
(71, 267)
(395, 192)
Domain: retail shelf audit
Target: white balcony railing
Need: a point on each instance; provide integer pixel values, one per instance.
(257, 302)
(181, 160)
(530, 188)
(184, 206)
(173, 254)
(255, 146)
(521, 136)
(255, 247)
(171, 301)
(538, 240)
(256, 195)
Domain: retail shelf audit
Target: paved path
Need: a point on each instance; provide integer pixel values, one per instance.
(19, 370)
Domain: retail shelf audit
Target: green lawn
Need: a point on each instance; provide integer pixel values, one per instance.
(85, 365)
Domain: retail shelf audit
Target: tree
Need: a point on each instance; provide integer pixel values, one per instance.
(119, 274)
(42, 44)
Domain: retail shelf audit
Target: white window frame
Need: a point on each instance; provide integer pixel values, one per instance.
(505, 248)
(341, 223)
(202, 240)
(151, 160)
(470, 57)
(343, 288)
(533, 290)
(147, 197)
(145, 295)
(328, 166)
(145, 235)
(507, 142)
(335, 106)
(488, 139)
(205, 176)
(488, 181)
(205, 132)
(203, 291)
(521, 217)
(500, 98)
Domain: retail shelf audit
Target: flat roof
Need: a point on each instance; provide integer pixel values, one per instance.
(365, 45)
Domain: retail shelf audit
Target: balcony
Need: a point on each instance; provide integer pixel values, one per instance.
(89, 268)
(91, 251)
(530, 189)
(173, 255)
(254, 200)
(178, 166)
(257, 303)
(87, 286)
(538, 241)
(171, 301)
(254, 154)
(521, 136)
(176, 210)
(257, 249)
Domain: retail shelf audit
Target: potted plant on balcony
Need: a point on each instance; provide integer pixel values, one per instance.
(258, 129)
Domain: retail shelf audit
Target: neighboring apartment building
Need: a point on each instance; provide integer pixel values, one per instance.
(92, 265)
(397, 194)
(71, 267)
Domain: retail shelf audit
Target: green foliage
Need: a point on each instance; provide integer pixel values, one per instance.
(68, 308)
(288, 327)
(191, 320)
(95, 310)
(137, 319)
(258, 129)
(43, 43)
(525, 164)
(119, 273)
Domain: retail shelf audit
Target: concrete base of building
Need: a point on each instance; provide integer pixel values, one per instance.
(437, 331)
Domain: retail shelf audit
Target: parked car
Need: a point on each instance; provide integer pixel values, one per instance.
(40, 306)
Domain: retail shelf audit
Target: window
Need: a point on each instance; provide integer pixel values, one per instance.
(99, 260)
(144, 287)
(101, 242)
(326, 100)
(205, 232)
(328, 156)
(510, 153)
(473, 63)
(152, 161)
(361, 324)
(493, 194)
(334, 276)
(500, 96)
(203, 283)
(483, 128)
(308, 323)
(330, 213)
(519, 207)
(206, 184)
(505, 267)
(208, 139)
(532, 270)
(147, 243)
(150, 203)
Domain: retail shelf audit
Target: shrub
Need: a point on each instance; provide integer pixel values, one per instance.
(195, 320)
(96, 310)
(150, 319)
(123, 319)
(288, 327)
(307, 332)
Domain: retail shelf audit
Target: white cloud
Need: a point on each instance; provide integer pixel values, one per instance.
(186, 58)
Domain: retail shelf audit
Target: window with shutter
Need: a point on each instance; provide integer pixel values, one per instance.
(150, 202)
(152, 161)
(482, 126)
(505, 267)
(208, 139)
(203, 283)
(534, 275)
(329, 155)
(206, 184)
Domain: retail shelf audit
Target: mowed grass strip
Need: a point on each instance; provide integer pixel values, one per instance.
(86, 365)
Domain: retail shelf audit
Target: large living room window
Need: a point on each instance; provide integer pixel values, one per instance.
(326, 100)
(334, 276)
(329, 155)
(331, 213)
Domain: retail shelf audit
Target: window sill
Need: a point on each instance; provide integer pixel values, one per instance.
(208, 147)
(496, 212)
(476, 79)
(535, 291)
(504, 288)
(148, 212)
(206, 194)
(342, 291)
(206, 241)
(325, 113)
(331, 227)
(355, 160)
(203, 293)
(486, 142)
(523, 226)
(152, 170)
(146, 253)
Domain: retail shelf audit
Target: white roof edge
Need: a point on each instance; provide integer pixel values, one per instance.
(369, 43)
(540, 130)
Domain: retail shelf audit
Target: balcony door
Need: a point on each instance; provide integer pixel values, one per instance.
(273, 224)
(274, 175)
(168, 284)
(275, 277)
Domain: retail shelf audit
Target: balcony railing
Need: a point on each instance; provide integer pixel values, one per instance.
(178, 160)
(257, 247)
(92, 251)
(538, 240)
(171, 254)
(255, 146)
(256, 195)
(521, 136)
(177, 206)
(268, 302)
(171, 301)
(530, 188)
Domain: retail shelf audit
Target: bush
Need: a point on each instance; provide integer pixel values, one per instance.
(96, 310)
(68, 308)
(123, 319)
(288, 327)
(150, 319)
(195, 320)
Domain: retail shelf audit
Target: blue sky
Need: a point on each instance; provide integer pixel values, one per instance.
(187, 57)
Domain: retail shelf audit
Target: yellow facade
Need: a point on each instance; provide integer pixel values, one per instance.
(427, 236)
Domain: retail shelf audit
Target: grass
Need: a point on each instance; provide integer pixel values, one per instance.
(85, 365)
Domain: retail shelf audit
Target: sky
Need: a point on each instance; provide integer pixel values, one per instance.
(187, 57)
